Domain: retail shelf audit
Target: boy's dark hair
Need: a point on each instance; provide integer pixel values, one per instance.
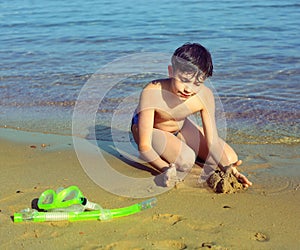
(193, 57)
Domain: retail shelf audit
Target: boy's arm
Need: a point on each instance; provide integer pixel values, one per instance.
(145, 129)
(214, 144)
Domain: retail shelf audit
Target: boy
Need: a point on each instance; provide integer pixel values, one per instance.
(166, 137)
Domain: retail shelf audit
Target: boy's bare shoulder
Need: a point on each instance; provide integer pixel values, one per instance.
(161, 81)
(157, 84)
(205, 92)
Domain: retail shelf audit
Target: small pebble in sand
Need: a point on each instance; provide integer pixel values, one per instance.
(207, 244)
(32, 146)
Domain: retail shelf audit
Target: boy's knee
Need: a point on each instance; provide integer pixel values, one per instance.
(186, 160)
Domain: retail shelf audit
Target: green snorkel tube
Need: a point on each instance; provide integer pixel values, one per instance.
(69, 204)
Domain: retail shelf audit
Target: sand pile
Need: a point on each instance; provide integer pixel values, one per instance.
(222, 182)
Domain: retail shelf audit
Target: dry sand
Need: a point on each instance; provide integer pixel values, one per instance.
(187, 217)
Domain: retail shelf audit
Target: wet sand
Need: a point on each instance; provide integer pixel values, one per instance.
(189, 216)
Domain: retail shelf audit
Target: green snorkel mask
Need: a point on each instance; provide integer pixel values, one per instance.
(65, 199)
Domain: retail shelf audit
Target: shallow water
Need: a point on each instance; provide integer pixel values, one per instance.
(49, 50)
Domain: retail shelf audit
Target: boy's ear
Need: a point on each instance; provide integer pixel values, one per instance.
(170, 70)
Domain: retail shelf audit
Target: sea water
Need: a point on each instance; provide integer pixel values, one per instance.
(49, 50)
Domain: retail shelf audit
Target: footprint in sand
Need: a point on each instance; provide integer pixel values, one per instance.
(120, 245)
(168, 244)
(171, 219)
(156, 245)
(261, 237)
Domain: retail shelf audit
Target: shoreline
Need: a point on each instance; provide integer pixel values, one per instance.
(186, 217)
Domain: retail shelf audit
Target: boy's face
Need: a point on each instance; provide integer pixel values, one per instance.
(185, 84)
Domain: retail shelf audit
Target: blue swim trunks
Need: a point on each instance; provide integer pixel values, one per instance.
(135, 119)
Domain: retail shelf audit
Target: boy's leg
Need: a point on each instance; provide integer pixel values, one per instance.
(194, 137)
(169, 147)
(173, 150)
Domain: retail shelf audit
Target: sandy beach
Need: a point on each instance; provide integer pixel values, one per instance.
(78, 68)
(266, 216)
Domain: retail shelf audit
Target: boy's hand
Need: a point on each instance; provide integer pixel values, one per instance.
(242, 178)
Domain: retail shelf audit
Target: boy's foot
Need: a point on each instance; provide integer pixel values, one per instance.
(184, 168)
(170, 176)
